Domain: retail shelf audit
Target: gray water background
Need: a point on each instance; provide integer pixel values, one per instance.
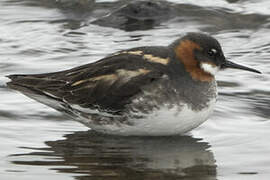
(37, 142)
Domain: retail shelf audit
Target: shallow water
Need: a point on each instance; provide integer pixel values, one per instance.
(44, 36)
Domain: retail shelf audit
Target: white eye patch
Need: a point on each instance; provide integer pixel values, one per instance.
(209, 68)
(214, 51)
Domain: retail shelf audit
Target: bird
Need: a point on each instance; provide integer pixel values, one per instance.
(142, 91)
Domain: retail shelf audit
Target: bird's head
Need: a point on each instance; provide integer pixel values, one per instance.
(203, 57)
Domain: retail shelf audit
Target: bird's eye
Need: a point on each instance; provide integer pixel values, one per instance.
(212, 52)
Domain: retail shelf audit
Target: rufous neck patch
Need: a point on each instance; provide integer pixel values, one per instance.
(185, 53)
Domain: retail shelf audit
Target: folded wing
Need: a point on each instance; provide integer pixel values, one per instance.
(106, 85)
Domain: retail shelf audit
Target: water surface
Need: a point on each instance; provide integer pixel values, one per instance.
(44, 36)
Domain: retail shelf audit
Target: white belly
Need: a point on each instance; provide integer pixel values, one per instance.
(162, 122)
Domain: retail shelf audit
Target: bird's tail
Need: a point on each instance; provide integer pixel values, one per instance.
(36, 87)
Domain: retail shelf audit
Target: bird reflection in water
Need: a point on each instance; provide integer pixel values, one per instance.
(97, 156)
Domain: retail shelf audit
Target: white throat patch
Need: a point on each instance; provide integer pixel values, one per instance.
(209, 68)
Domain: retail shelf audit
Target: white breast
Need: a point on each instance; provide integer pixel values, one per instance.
(162, 122)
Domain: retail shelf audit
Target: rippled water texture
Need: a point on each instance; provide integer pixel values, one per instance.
(37, 142)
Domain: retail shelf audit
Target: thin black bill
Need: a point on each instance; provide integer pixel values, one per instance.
(229, 64)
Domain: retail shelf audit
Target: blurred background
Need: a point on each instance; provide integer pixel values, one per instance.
(38, 36)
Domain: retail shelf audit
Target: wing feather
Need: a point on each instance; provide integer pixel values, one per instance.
(108, 84)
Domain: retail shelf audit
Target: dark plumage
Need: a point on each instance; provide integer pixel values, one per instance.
(131, 84)
(96, 93)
